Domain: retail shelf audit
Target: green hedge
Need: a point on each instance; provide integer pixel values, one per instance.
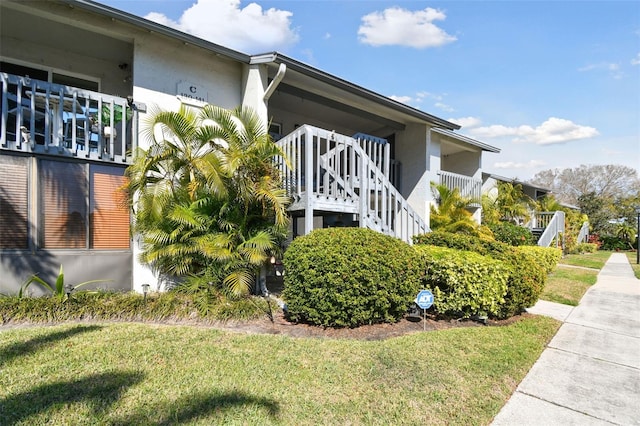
(346, 277)
(464, 283)
(511, 234)
(547, 257)
(527, 277)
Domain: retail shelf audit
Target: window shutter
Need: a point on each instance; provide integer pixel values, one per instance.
(109, 212)
(64, 204)
(14, 202)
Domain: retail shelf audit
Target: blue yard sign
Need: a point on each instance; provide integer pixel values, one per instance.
(424, 299)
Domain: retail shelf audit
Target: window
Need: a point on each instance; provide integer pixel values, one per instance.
(109, 211)
(80, 200)
(14, 204)
(64, 204)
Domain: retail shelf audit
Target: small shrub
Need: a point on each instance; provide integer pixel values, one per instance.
(464, 283)
(547, 257)
(511, 234)
(585, 248)
(526, 280)
(346, 277)
(610, 242)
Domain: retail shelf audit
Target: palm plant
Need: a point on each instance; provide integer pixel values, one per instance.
(451, 213)
(207, 195)
(512, 203)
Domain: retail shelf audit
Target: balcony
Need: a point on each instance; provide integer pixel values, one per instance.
(469, 187)
(45, 118)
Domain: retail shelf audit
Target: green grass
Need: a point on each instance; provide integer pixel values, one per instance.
(633, 260)
(122, 373)
(568, 285)
(587, 260)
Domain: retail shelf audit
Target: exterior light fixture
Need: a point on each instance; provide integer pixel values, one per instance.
(145, 290)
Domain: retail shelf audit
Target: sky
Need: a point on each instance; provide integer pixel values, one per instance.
(553, 84)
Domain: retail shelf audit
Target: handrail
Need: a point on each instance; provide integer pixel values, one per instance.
(41, 117)
(553, 225)
(583, 235)
(333, 168)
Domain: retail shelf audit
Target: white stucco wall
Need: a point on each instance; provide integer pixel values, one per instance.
(160, 69)
(412, 150)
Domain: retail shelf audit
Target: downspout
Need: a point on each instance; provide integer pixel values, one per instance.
(282, 69)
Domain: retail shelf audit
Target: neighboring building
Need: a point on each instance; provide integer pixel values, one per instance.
(490, 186)
(77, 79)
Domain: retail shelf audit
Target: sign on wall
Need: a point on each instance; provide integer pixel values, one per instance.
(193, 91)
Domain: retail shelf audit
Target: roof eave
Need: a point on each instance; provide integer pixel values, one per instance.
(277, 58)
(466, 139)
(158, 28)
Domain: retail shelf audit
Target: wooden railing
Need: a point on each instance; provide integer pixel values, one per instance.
(41, 117)
(337, 173)
(469, 187)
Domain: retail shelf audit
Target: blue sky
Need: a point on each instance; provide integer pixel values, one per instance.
(553, 84)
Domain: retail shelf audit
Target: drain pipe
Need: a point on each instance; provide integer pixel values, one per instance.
(282, 69)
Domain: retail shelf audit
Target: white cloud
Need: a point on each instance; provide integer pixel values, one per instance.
(400, 27)
(518, 165)
(613, 68)
(466, 122)
(444, 107)
(636, 60)
(553, 131)
(250, 29)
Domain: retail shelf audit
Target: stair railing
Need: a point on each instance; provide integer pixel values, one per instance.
(327, 167)
(583, 235)
(553, 225)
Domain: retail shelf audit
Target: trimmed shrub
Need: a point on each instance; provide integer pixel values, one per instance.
(464, 283)
(511, 234)
(584, 248)
(547, 257)
(347, 277)
(481, 246)
(526, 280)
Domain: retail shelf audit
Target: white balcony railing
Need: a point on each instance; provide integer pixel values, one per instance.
(469, 187)
(46, 118)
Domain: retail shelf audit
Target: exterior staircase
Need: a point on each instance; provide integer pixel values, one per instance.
(548, 228)
(326, 172)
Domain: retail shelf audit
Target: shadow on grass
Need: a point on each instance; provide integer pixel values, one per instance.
(192, 407)
(99, 390)
(18, 349)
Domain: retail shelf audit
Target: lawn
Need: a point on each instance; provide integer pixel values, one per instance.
(633, 260)
(567, 285)
(587, 260)
(123, 373)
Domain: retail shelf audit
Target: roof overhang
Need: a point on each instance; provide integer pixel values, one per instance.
(151, 26)
(465, 140)
(303, 77)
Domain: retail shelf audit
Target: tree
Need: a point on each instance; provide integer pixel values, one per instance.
(605, 181)
(206, 194)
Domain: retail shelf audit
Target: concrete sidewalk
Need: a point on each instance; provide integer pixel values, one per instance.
(589, 374)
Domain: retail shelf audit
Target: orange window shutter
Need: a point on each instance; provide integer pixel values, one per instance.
(14, 203)
(109, 211)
